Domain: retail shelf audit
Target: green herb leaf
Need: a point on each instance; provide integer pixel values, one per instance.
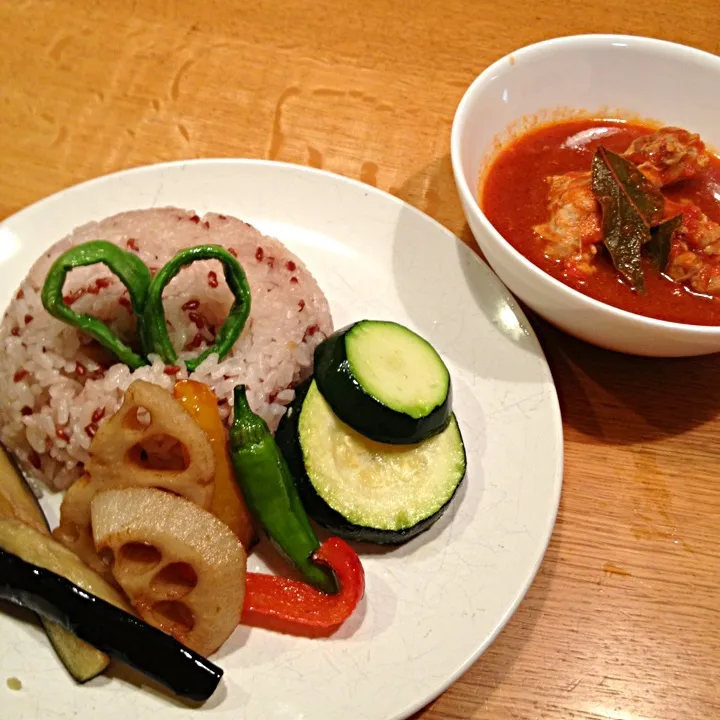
(658, 249)
(630, 206)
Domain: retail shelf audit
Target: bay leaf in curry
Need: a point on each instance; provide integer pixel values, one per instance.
(630, 207)
(658, 249)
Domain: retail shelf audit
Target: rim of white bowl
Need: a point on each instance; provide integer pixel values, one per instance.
(460, 125)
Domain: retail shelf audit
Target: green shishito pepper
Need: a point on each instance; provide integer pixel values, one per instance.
(131, 270)
(270, 493)
(156, 338)
(146, 300)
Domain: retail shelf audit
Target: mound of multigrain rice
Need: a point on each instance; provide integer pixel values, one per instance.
(57, 385)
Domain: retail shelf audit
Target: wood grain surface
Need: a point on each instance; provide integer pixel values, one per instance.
(622, 621)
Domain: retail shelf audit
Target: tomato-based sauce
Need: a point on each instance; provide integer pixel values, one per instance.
(514, 197)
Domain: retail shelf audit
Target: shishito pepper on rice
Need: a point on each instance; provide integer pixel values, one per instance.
(131, 270)
(155, 336)
(146, 300)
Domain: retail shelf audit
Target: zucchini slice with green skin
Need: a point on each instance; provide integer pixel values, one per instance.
(106, 626)
(18, 501)
(364, 490)
(384, 381)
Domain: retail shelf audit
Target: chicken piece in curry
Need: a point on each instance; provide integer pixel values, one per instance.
(668, 156)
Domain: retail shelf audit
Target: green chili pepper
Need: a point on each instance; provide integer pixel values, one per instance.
(133, 274)
(156, 338)
(270, 493)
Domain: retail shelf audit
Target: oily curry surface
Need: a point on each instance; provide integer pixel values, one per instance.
(515, 197)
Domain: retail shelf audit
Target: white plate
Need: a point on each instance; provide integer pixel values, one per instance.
(431, 606)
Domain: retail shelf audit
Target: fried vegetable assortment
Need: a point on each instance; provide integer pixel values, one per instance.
(151, 441)
(161, 522)
(182, 569)
(108, 627)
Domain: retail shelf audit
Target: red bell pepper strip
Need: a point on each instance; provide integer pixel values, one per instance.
(296, 608)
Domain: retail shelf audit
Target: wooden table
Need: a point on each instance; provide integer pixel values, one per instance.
(622, 620)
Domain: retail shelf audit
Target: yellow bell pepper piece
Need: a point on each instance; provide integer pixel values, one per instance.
(228, 503)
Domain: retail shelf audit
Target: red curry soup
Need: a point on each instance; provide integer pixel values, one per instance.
(627, 214)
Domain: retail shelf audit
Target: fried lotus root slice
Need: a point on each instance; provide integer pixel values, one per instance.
(152, 441)
(181, 567)
(74, 530)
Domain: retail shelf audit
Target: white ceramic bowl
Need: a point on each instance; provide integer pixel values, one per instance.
(601, 75)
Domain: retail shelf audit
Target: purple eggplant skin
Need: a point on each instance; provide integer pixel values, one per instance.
(109, 629)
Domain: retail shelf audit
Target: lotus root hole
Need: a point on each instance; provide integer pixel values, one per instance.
(173, 617)
(135, 557)
(137, 418)
(160, 452)
(70, 532)
(174, 581)
(107, 556)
